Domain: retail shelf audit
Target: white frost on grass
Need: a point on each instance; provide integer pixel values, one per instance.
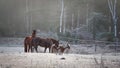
(48, 60)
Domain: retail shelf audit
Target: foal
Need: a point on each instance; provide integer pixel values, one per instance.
(63, 47)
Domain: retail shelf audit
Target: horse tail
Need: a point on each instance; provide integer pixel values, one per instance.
(25, 45)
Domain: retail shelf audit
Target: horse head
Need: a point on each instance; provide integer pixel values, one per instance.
(68, 45)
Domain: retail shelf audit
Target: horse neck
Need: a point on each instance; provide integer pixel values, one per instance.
(34, 34)
(54, 42)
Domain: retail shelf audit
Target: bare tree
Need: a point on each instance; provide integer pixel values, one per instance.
(72, 21)
(61, 16)
(112, 6)
(78, 19)
(26, 17)
(64, 25)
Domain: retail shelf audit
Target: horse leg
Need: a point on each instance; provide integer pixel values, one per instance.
(32, 49)
(28, 48)
(49, 49)
(52, 49)
(62, 51)
(45, 49)
(56, 51)
(36, 48)
(25, 47)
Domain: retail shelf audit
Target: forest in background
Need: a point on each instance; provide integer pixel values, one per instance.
(82, 19)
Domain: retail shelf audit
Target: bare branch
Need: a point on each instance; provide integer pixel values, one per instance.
(110, 6)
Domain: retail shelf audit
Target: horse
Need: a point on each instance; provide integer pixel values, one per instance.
(54, 49)
(27, 43)
(55, 44)
(37, 41)
(62, 47)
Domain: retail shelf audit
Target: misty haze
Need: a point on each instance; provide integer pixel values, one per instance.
(67, 33)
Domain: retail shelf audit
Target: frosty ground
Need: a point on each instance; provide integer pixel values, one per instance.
(79, 56)
(48, 60)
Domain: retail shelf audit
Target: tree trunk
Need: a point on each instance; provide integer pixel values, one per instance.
(61, 16)
(78, 21)
(27, 17)
(72, 21)
(64, 25)
(112, 6)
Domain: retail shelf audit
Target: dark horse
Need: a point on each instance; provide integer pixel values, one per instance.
(55, 45)
(47, 43)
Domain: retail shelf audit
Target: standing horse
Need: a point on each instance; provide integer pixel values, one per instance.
(37, 41)
(27, 42)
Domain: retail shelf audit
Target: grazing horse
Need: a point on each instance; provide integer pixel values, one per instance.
(37, 41)
(55, 44)
(27, 42)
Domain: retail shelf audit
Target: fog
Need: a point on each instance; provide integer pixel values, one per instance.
(19, 17)
(23, 13)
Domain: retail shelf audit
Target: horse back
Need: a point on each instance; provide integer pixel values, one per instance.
(42, 42)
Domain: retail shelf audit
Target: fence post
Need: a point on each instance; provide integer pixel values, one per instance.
(95, 46)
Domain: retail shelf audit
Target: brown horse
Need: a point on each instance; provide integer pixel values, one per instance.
(37, 41)
(27, 41)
